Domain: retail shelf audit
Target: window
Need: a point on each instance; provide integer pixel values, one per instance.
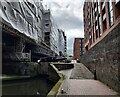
(104, 25)
(104, 16)
(96, 26)
(4, 8)
(99, 26)
(98, 8)
(92, 18)
(95, 1)
(93, 34)
(46, 21)
(117, 1)
(110, 13)
(46, 25)
(103, 5)
(95, 8)
(96, 33)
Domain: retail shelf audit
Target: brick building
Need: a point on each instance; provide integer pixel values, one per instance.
(78, 48)
(99, 19)
(102, 39)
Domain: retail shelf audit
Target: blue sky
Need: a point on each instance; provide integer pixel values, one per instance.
(68, 15)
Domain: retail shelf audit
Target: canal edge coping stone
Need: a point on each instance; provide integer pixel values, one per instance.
(55, 89)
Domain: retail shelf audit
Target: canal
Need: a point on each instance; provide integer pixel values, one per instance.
(34, 86)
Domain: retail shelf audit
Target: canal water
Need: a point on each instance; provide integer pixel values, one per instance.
(35, 86)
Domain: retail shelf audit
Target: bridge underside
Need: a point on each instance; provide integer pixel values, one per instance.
(19, 47)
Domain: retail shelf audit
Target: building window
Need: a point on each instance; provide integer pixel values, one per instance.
(104, 25)
(46, 25)
(104, 16)
(110, 13)
(4, 8)
(117, 1)
(97, 29)
(93, 34)
(99, 26)
(95, 0)
(90, 39)
(98, 8)
(103, 5)
(111, 17)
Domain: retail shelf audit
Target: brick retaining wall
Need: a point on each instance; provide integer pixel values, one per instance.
(104, 57)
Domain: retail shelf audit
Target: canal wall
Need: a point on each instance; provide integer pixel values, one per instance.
(20, 68)
(30, 69)
(104, 58)
(53, 74)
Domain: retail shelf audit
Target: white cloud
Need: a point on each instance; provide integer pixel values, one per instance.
(74, 33)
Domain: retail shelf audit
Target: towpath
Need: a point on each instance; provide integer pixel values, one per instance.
(80, 81)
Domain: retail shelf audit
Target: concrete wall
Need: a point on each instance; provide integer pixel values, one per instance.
(20, 68)
(30, 69)
(43, 68)
(104, 57)
(52, 74)
(46, 69)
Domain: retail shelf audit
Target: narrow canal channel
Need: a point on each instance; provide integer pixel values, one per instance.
(35, 86)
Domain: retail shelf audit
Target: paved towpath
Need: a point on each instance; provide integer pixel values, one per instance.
(80, 81)
(81, 72)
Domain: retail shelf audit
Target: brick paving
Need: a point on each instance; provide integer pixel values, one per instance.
(80, 81)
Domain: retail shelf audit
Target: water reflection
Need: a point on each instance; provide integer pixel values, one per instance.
(36, 86)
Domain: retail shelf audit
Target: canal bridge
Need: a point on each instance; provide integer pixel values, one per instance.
(25, 27)
(19, 47)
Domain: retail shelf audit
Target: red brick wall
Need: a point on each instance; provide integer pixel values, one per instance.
(76, 49)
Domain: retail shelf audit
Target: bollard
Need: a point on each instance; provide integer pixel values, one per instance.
(62, 91)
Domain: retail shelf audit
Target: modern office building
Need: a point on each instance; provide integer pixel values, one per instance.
(28, 31)
(51, 32)
(62, 43)
(65, 46)
(100, 18)
(78, 48)
(54, 37)
(18, 20)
